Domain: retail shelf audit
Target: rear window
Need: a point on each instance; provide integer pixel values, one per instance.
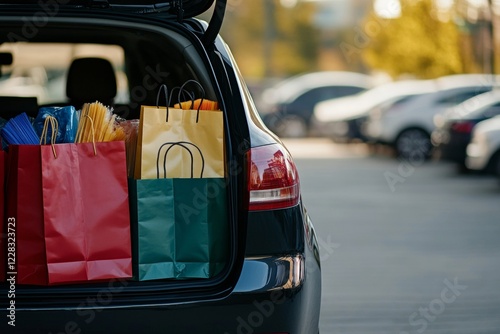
(459, 97)
(309, 99)
(40, 69)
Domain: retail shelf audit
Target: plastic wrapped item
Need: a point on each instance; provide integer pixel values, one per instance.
(67, 119)
(131, 128)
(19, 131)
(98, 124)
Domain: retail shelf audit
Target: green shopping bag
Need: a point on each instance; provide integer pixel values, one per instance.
(179, 226)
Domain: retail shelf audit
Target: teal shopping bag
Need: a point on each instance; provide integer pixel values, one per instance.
(179, 227)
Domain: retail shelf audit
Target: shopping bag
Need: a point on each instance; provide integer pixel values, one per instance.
(24, 203)
(93, 226)
(3, 227)
(159, 125)
(70, 202)
(179, 226)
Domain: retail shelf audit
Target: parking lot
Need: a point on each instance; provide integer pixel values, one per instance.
(406, 247)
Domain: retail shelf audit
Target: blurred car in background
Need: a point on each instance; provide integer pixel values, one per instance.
(342, 119)
(454, 127)
(408, 128)
(286, 108)
(483, 152)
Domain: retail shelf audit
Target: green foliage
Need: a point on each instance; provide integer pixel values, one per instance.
(415, 43)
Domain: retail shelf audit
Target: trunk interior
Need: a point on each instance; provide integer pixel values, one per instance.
(144, 57)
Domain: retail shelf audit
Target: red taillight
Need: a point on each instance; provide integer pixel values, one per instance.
(465, 127)
(273, 181)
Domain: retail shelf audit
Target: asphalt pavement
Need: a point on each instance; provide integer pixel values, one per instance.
(406, 246)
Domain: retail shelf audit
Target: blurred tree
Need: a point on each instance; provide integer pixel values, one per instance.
(416, 43)
(282, 42)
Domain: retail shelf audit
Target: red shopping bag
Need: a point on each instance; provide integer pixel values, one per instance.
(97, 245)
(79, 229)
(24, 204)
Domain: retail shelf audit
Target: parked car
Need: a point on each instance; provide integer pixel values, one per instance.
(483, 152)
(408, 128)
(454, 127)
(271, 280)
(291, 102)
(343, 119)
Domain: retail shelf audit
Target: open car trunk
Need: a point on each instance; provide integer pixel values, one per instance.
(144, 57)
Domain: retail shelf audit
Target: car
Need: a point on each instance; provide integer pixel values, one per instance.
(288, 105)
(343, 120)
(408, 129)
(271, 279)
(483, 152)
(454, 127)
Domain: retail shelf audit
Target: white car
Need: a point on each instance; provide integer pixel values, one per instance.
(408, 127)
(483, 152)
(341, 119)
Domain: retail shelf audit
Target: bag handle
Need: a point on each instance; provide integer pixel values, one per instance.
(93, 133)
(182, 144)
(189, 94)
(181, 89)
(163, 88)
(52, 121)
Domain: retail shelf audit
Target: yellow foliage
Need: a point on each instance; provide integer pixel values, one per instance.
(415, 43)
(293, 44)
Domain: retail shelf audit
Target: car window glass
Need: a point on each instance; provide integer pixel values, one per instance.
(492, 111)
(459, 97)
(309, 99)
(40, 69)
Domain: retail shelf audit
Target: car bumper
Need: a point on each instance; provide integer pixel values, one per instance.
(454, 149)
(347, 130)
(273, 295)
(375, 129)
(477, 157)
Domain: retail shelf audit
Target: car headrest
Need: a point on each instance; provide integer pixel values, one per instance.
(90, 80)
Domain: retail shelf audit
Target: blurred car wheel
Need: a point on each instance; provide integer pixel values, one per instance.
(413, 143)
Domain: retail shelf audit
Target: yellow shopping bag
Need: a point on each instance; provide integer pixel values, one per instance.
(161, 127)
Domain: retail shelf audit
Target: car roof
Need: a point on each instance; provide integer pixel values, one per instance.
(465, 80)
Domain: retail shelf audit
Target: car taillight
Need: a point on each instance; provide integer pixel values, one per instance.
(465, 127)
(273, 181)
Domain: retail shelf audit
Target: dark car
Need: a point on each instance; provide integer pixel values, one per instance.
(271, 278)
(291, 103)
(454, 127)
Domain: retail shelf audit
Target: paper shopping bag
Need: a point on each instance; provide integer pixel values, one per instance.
(201, 128)
(71, 206)
(93, 227)
(4, 228)
(24, 204)
(179, 226)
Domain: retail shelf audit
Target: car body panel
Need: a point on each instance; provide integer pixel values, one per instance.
(190, 8)
(484, 145)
